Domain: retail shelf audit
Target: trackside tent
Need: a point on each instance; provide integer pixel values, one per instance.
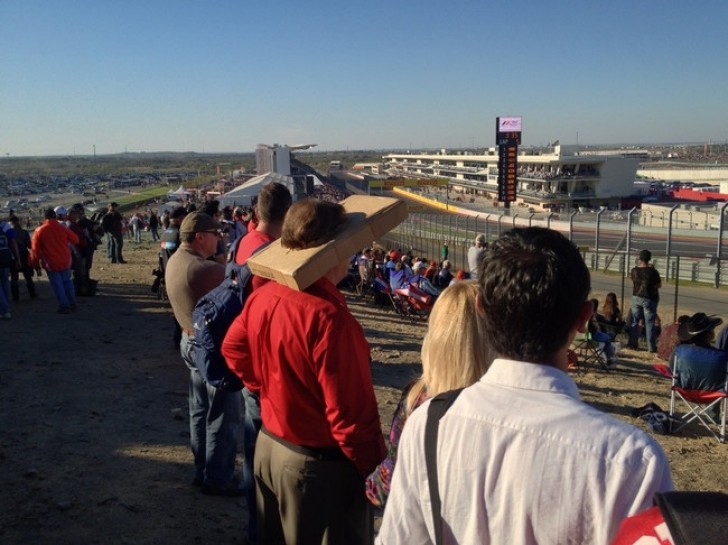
(243, 195)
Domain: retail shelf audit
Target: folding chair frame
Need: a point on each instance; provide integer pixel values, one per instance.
(699, 403)
(589, 353)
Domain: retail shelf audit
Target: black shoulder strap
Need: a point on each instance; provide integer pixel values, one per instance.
(437, 409)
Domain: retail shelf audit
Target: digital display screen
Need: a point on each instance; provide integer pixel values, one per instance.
(510, 124)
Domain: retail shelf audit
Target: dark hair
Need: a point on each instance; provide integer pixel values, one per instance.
(533, 284)
(645, 255)
(49, 214)
(211, 207)
(310, 223)
(274, 200)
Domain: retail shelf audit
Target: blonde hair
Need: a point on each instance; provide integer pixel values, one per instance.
(455, 353)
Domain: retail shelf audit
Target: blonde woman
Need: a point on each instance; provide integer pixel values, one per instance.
(454, 355)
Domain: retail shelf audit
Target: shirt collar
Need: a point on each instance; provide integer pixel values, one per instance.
(530, 376)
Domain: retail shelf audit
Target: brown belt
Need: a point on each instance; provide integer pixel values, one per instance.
(188, 332)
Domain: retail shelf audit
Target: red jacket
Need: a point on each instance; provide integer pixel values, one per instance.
(49, 246)
(308, 357)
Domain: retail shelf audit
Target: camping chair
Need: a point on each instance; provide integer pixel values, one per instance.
(416, 303)
(589, 353)
(383, 294)
(700, 384)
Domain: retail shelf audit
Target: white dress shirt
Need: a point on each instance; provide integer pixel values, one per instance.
(522, 461)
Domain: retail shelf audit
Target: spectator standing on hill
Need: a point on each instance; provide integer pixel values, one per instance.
(475, 255)
(520, 459)
(113, 227)
(646, 284)
(308, 357)
(214, 413)
(9, 260)
(50, 248)
(23, 241)
(154, 226)
(136, 226)
(274, 200)
(91, 231)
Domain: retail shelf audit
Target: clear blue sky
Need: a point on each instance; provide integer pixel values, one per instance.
(225, 75)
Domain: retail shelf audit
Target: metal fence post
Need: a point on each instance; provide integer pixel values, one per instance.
(596, 241)
(720, 244)
(571, 225)
(548, 220)
(629, 233)
(669, 238)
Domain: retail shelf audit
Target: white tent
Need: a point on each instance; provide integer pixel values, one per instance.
(180, 194)
(243, 194)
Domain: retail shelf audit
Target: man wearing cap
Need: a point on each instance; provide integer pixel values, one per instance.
(308, 357)
(50, 249)
(646, 284)
(112, 224)
(475, 255)
(214, 413)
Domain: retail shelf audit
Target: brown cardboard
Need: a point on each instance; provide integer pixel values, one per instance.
(368, 219)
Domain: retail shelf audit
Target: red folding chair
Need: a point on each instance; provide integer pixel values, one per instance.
(699, 405)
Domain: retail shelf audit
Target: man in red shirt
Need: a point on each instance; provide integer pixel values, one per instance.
(274, 200)
(50, 249)
(308, 357)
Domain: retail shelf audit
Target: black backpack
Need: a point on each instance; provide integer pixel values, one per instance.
(212, 316)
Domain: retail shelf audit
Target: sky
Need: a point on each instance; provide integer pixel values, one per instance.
(224, 75)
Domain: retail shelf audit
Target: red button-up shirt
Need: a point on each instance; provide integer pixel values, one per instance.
(308, 357)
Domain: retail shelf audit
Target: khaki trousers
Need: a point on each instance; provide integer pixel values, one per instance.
(302, 500)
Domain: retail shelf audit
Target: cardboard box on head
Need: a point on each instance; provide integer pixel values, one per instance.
(368, 218)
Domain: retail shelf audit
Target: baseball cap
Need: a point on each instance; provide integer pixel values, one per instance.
(60, 211)
(199, 222)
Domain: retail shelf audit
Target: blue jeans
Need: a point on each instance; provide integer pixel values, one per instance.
(62, 285)
(606, 339)
(117, 244)
(214, 419)
(647, 309)
(251, 427)
(4, 290)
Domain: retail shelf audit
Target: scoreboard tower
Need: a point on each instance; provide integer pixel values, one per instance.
(507, 138)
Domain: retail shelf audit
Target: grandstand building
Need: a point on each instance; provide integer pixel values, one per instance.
(552, 179)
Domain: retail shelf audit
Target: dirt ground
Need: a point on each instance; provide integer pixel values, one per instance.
(94, 444)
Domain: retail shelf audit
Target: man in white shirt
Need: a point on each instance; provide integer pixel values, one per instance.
(520, 459)
(475, 255)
